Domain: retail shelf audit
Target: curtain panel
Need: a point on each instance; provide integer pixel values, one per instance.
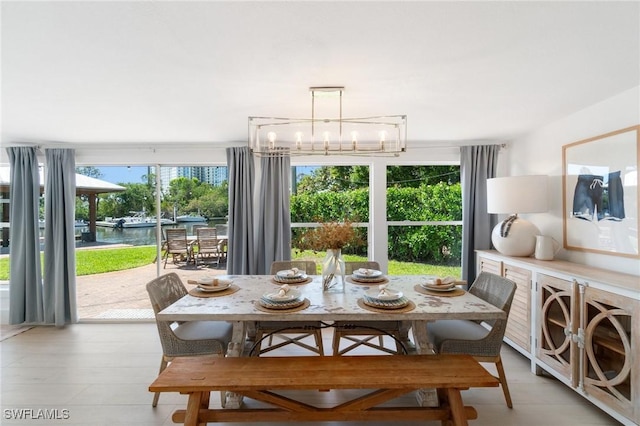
(477, 164)
(274, 220)
(25, 280)
(240, 254)
(59, 240)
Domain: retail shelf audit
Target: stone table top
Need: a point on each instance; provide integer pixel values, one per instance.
(339, 306)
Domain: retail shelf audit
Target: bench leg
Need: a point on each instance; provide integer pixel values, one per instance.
(197, 400)
(457, 407)
(193, 407)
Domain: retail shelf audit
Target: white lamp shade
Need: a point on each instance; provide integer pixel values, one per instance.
(517, 194)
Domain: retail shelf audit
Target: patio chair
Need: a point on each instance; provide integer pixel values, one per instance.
(291, 333)
(195, 227)
(177, 246)
(362, 333)
(190, 338)
(471, 337)
(208, 244)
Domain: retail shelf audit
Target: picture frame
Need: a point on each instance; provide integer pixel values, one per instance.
(600, 193)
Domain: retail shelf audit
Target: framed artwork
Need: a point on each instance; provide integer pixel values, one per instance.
(600, 193)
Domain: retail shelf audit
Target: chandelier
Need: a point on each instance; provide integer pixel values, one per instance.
(382, 135)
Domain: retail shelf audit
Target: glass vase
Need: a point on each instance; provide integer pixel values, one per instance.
(333, 271)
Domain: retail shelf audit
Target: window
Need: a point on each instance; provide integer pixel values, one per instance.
(424, 214)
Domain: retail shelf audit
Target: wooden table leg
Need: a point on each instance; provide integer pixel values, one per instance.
(425, 397)
(235, 349)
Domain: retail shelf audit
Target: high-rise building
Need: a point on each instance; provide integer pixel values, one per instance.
(214, 175)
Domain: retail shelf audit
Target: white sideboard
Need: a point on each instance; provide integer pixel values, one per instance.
(578, 323)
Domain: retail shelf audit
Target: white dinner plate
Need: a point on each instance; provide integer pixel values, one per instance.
(387, 295)
(275, 296)
(367, 273)
(443, 281)
(289, 274)
(443, 288)
(213, 289)
(208, 280)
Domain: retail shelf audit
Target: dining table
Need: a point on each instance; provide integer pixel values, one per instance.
(240, 304)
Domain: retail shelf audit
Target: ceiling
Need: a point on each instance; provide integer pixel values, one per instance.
(179, 71)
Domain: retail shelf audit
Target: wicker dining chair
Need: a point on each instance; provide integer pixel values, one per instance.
(188, 338)
(362, 333)
(471, 337)
(293, 332)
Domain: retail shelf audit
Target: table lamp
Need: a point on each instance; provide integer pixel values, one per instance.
(515, 236)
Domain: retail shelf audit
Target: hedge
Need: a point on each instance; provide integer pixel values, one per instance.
(434, 244)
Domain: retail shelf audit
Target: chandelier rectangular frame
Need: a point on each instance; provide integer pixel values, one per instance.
(379, 135)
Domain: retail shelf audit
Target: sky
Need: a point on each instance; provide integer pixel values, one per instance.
(123, 174)
(134, 174)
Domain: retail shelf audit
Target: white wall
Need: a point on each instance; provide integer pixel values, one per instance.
(541, 153)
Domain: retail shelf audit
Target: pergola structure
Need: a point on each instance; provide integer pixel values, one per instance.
(85, 185)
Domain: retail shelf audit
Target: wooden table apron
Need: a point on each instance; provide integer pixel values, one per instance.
(239, 308)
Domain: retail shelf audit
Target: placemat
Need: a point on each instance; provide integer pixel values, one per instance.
(410, 307)
(456, 292)
(232, 289)
(383, 280)
(306, 281)
(304, 305)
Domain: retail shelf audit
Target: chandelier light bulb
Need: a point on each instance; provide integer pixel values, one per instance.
(271, 137)
(326, 136)
(354, 140)
(299, 140)
(383, 136)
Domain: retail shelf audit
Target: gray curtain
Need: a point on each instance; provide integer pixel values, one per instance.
(59, 238)
(477, 164)
(25, 280)
(240, 255)
(274, 221)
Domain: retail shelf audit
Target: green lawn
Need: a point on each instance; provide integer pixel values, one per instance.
(97, 261)
(395, 267)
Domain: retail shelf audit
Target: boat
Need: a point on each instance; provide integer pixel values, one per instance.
(191, 218)
(136, 221)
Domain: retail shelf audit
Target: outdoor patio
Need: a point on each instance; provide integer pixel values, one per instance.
(122, 294)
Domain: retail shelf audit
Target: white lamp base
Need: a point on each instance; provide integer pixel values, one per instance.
(520, 241)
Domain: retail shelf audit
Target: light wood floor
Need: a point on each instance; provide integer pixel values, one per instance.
(100, 374)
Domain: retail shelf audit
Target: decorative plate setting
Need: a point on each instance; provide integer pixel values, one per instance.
(210, 286)
(386, 304)
(369, 280)
(290, 276)
(212, 289)
(439, 287)
(208, 280)
(282, 296)
(383, 294)
(365, 273)
(281, 305)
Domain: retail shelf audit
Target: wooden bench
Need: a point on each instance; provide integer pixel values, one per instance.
(387, 376)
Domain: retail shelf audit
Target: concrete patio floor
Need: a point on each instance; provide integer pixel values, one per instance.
(122, 294)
